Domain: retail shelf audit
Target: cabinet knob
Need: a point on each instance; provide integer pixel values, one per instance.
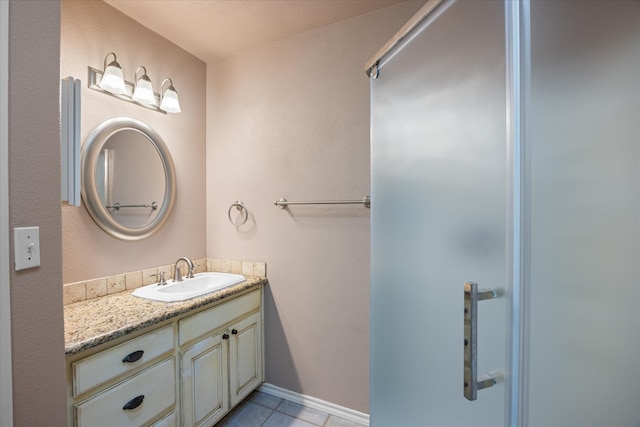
(234, 332)
(225, 336)
(133, 357)
(134, 403)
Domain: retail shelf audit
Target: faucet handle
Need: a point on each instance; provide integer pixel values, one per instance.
(161, 278)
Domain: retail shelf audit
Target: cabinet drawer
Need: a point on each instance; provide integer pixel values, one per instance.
(106, 365)
(158, 386)
(216, 317)
(170, 420)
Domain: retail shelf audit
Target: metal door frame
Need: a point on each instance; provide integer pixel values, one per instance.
(517, 27)
(6, 387)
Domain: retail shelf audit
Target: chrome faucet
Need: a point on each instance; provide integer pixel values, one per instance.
(177, 275)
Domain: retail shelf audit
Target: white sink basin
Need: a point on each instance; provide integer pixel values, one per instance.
(201, 284)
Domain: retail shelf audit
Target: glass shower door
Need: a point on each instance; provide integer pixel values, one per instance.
(439, 218)
(583, 186)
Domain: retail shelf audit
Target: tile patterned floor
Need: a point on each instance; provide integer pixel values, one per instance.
(264, 410)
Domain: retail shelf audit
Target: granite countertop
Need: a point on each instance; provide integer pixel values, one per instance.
(99, 320)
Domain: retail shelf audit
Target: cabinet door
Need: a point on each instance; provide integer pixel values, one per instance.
(203, 376)
(245, 357)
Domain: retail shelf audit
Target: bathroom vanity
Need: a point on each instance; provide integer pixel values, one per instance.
(136, 362)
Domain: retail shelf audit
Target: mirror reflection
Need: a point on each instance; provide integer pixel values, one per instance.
(130, 178)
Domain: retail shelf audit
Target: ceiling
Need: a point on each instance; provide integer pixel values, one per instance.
(215, 29)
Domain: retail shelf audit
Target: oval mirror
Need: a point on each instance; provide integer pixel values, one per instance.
(128, 179)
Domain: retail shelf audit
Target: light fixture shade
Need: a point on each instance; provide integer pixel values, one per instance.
(113, 78)
(143, 92)
(170, 102)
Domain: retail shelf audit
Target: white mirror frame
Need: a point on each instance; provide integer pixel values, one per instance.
(90, 153)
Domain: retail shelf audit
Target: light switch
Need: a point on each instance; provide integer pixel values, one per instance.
(26, 245)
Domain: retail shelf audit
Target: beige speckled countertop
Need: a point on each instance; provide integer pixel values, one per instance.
(96, 321)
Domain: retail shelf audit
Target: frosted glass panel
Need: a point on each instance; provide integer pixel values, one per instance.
(439, 206)
(584, 180)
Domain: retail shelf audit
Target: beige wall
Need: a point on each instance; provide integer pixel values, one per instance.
(91, 29)
(292, 120)
(34, 200)
(289, 120)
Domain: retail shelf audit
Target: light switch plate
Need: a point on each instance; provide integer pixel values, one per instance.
(26, 245)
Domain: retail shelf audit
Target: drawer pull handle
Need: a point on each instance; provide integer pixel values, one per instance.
(225, 336)
(133, 357)
(134, 403)
(234, 332)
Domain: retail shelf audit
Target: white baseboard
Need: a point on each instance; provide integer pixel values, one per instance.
(315, 403)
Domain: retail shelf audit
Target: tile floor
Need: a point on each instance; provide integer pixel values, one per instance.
(264, 410)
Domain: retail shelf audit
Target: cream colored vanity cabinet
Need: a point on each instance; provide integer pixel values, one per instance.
(188, 372)
(221, 358)
(130, 384)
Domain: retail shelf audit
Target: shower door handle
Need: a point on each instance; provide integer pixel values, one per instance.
(473, 383)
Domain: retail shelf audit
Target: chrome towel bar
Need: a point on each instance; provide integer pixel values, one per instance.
(282, 203)
(117, 206)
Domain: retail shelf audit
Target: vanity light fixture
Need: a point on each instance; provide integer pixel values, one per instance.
(143, 90)
(113, 77)
(169, 101)
(110, 80)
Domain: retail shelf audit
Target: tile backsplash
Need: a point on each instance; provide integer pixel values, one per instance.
(94, 288)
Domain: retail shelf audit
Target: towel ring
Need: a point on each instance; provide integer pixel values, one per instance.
(241, 207)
